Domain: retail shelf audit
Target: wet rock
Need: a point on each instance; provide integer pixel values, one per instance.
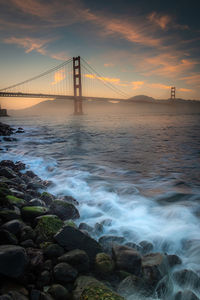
(68, 199)
(38, 295)
(133, 284)
(147, 247)
(31, 174)
(7, 238)
(7, 172)
(76, 258)
(47, 227)
(84, 226)
(98, 228)
(37, 202)
(28, 244)
(58, 292)
(127, 259)
(8, 215)
(53, 251)
(13, 226)
(64, 210)
(44, 279)
(154, 267)
(27, 233)
(107, 242)
(47, 198)
(173, 260)
(81, 283)
(36, 259)
(29, 213)
(64, 273)
(13, 260)
(15, 201)
(186, 295)
(17, 193)
(104, 264)
(71, 238)
(48, 265)
(5, 130)
(187, 278)
(70, 223)
(17, 296)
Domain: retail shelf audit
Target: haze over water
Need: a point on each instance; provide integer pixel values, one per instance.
(139, 171)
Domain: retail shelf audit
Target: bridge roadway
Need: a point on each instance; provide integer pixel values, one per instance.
(32, 95)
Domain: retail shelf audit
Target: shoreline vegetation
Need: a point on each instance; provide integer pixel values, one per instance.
(45, 255)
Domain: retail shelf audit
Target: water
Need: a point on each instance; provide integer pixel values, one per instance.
(140, 172)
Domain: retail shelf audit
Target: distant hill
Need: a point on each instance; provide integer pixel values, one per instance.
(142, 98)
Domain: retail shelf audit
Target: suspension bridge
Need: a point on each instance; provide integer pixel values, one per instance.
(74, 79)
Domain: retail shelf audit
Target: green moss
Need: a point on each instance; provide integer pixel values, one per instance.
(48, 226)
(37, 209)
(104, 263)
(97, 292)
(45, 245)
(70, 223)
(15, 201)
(9, 214)
(61, 203)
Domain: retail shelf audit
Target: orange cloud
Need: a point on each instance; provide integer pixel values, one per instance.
(193, 79)
(137, 84)
(58, 76)
(161, 20)
(29, 44)
(109, 65)
(108, 79)
(184, 90)
(159, 86)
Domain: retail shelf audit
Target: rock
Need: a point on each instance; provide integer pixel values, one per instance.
(28, 244)
(68, 199)
(44, 279)
(107, 242)
(13, 260)
(81, 283)
(17, 296)
(71, 238)
(27, 233)
(47, 227)
(133, 284)
(7, 172)
(127, 259)
(8, 215)
(29, 213)
(185, 295)
(173, 260)
(64, 210)
(154, 267)
(64, 273)
(37, 202)
(187, 278)
(13, 226)
(5, 130)
(36, 259)
(53, 251)
(84, 226)
(98, 228)
(47, 198)
(76, 258)
(48, 265)
(15, 201)
(58, 292)
(38, 295)
(147, 247)
(7, 238)
(31, 174)
(104, 264)
(17, 193)
(70, 223)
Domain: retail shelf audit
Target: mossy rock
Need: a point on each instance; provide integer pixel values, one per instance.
(99, 292)
(70, 223)
(47, 198)
(29, 213)
(48, 226)
(103, 263)
(64, 210)
(4, 191)
(15, 201)
(8, 215)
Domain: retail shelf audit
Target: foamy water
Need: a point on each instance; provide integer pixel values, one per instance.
(138, 175)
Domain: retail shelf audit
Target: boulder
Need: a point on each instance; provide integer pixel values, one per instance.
(8, 215)
(37, 202)
(27, 233)
(84, 226)
(81, 283)
(107, 242)
(154, 267)
(58, 292)
(127, 259)
(47, 198)
(133, 284)
(173, 260)
(47, 227)
(187, 277)
(64, 273)
(104, 263)
(76, 258)
(64, 210)
(15, 201)
(53, 250)
(13, 260)
(13, 226)
(29, 213)
(146, 247)
(68, 199)
(71, 238)
(7, 238)
(7, 172)
(36, 259)
(185, 295)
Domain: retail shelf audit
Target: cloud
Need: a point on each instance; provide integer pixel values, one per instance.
(108, 79)
(159, 86)
(160, 20)
(193, 79)
(59, 76)
(184, 90)
(137, 84)
(109, 65)
(29, 44)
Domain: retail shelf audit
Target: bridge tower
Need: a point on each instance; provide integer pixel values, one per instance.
(78, 109)
(173, 92)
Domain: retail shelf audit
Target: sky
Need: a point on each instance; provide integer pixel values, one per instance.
(140, 46)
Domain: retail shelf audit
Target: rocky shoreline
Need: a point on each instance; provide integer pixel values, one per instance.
(45, 255)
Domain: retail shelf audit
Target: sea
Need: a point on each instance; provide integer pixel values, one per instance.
(138, 174)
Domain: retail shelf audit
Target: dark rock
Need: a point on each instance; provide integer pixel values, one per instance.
(133, 284)
(5, 130)
(36, 259)
(44, 279)
(14, 201)
(127, 259)
(84, 226)
(64, 210)
(28, 244)
(7, 238)
(17, 296)
(107, 242)
(104, 264)
(187, 278)
(9, 139)
(186, 295)
(47, 198)
(36, 202)
(31, 174)
(173, 260)
(7, 172)
(98, 228)
(29, 213)
(154, 267)
(13, 226)
(64, 273)
(47, 227)
(58, 292)
(17, 193)
(47, 265)
(77, 258)
(68, 199)
(53, 250)
(71, 238)
(81, 283)
(13, 260)
(27, 233)
(147, 247)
